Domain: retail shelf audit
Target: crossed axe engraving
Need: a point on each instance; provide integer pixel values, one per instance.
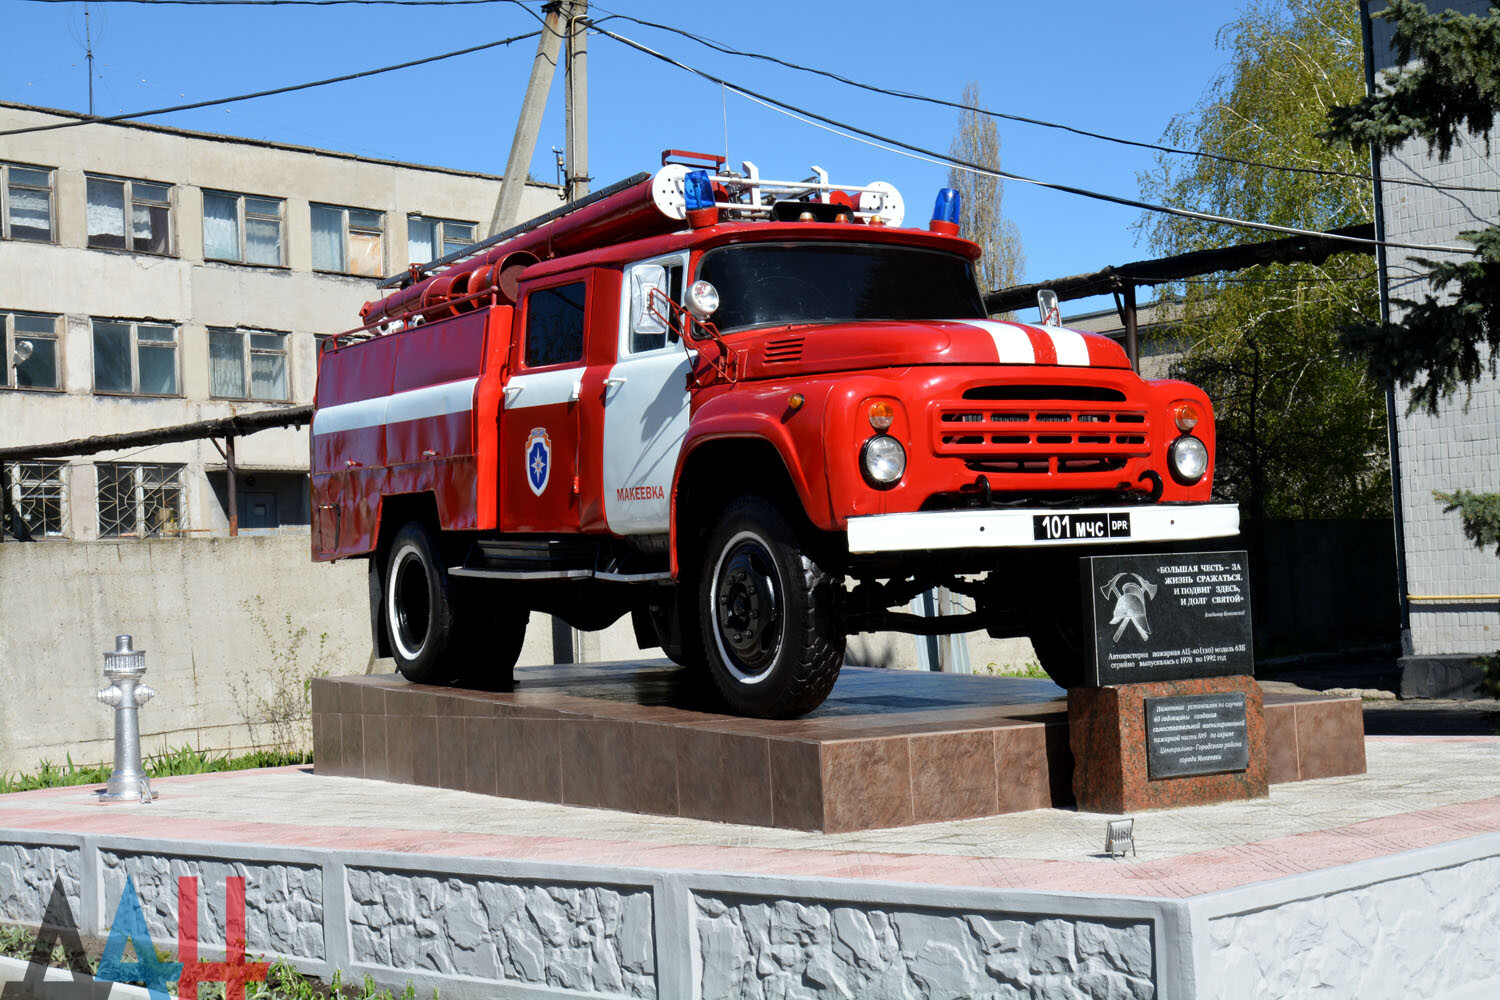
(1130, 602)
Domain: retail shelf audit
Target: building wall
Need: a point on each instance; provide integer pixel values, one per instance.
(69, 279)
(219, 620)
(1457, 447)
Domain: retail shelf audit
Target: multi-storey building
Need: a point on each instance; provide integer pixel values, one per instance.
(1451, 600)
(156, 276)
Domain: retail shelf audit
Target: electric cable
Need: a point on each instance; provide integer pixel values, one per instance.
(1022, 178)
(1027, 120)
(98, 119)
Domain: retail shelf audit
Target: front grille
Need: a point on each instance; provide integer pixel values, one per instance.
(1008, 429)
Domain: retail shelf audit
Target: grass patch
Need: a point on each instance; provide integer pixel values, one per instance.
(1031, 670)
(166, 764)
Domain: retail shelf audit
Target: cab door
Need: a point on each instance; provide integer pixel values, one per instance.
(539, 445)
(645, 403)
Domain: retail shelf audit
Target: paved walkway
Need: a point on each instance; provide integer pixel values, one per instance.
(1419, 791)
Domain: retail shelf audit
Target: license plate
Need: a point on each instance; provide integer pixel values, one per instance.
(1075, 527)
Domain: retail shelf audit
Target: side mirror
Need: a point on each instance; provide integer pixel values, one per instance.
(646, 280)
(1046, 304)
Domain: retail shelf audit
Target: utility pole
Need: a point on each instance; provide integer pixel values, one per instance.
(564, 20)
(576, 82)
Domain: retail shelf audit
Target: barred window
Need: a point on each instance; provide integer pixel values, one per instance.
(26, 203)
(39, 494)
(28, 342)
(247, 364)
(140, 501)
(242, 228)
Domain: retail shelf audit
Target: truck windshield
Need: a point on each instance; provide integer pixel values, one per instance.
(767, 283)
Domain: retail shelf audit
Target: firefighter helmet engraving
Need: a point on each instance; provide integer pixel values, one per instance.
(538, 460)
(1130, 598)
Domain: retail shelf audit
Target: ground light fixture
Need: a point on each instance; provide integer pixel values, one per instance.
(1119, 837)
(124, 666)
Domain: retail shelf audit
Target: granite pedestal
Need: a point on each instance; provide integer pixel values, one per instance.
(889, 747)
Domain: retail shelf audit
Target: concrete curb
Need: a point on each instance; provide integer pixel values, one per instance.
(62, 984)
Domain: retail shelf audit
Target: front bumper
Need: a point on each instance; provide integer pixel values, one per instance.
(1016, 528)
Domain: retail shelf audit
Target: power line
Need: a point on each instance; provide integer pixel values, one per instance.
(294, 3)
(1022, 178)
(1024, 119)
(97, 119)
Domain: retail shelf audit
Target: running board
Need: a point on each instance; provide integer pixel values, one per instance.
(558, 574)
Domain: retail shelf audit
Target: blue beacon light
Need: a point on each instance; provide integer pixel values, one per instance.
(945, 212)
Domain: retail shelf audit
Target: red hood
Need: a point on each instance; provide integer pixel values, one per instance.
(830, 347)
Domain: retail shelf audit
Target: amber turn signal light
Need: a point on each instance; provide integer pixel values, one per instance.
(881, 415)
(1185, 415)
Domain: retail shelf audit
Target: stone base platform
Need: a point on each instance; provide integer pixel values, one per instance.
(1384, 884)
(889, 747)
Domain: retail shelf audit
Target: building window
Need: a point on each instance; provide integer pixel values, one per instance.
(242, 228)
(129, 215)
(26, 203)
(140, 501)
(39, 495)
(247, 364)
(348, 240)
(428, 239)
(135, 358)
(29, 342)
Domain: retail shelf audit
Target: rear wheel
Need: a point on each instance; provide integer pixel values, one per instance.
(420, 613)
(768, 613)
(492, 630)
(1060, 648)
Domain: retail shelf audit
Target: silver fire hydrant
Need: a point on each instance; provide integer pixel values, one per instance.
(125, 667)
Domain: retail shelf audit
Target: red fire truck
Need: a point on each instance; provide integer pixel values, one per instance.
(757, 416)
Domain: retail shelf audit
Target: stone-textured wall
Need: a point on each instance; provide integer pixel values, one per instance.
(1430, 934)
(768, 948)
(28, 875)
(579, 938)
(283, 902)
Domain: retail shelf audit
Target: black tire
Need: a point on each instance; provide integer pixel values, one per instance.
(768, 613)
(1059, 648)
(420, 614)
(484, 654)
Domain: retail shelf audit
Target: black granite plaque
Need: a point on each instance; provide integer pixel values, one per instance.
(1196, 734)
(1169, 617)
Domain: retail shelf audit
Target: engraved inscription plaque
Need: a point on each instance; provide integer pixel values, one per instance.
(1196, 734)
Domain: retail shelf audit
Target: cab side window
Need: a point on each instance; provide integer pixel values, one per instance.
(554, 325)
(647, 332)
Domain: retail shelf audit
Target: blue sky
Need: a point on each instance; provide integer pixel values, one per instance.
(1123, 69)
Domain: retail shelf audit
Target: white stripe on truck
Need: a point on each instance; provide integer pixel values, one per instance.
(413, 404)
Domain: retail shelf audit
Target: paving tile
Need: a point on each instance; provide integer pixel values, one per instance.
(952, 776)
(528, 759)
(481, 736)
(1327, 740)
(373, 731)
(724, 776)
(1282, 755)
(796, 771)
(867, 783)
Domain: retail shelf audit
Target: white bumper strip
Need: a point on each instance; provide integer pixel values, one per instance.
(992, 529)
(413, 404)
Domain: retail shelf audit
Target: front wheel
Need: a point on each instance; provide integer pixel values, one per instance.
(768, 612)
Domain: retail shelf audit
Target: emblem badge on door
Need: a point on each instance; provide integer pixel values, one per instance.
(538, 460)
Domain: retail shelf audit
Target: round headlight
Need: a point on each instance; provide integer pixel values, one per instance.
(1188, 458)
(702, 299)
(884, 460)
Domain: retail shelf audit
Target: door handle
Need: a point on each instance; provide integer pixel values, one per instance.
(613, 380)
(511, 392)
(577, 391)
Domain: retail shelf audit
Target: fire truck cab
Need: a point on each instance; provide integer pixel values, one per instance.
(756, 416)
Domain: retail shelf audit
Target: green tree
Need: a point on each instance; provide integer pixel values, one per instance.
(977, 141)
(1301, 426)
(1447, 83)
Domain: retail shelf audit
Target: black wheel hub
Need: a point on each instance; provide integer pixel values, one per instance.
(748, 608)
(413, 608)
